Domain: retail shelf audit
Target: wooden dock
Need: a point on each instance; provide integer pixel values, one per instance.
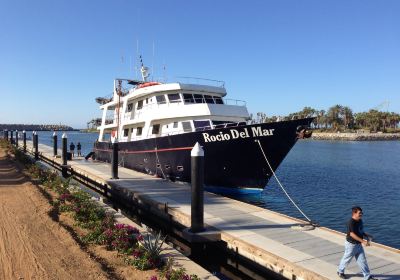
(263, 236)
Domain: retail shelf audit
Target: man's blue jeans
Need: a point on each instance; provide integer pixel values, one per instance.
(354, 250)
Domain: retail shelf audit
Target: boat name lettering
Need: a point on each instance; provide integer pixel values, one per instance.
(257, 131)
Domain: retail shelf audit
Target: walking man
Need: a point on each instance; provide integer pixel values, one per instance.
(353, 245)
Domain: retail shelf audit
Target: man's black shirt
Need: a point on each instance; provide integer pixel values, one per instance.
(357, 228)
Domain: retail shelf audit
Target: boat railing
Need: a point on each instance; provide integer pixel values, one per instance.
(234, 102)
(201, 81)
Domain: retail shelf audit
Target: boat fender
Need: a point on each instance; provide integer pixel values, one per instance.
(303, 227)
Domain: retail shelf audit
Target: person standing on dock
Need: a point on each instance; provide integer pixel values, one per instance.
(353, 245)
(72, 149)
(78, 149)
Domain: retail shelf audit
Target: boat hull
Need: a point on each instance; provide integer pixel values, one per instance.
(232, 156)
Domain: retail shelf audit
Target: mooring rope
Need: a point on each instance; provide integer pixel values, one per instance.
(288, 196)
(158, 160)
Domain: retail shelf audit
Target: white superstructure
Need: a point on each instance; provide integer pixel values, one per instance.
(151, 109)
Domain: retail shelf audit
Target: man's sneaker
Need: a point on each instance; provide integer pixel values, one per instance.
(342, 275)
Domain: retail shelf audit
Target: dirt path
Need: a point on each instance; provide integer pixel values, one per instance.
(32, 245)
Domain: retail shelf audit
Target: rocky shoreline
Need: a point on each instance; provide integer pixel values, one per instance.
(355, 136)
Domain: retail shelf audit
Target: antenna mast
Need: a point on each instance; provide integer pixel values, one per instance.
(137, 54)
(152, 66)
(144, 70)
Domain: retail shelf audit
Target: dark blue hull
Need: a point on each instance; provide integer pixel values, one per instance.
(232, 156)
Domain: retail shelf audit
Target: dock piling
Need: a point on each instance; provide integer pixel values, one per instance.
(64, 155)
(33, 139)
(197, 205)
(114, 159)
(36, 147)
(11, 137)
(24, 139)
(6, 134)
(16, 138)
(54, 143)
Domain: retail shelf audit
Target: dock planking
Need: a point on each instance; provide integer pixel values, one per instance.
(261, 235)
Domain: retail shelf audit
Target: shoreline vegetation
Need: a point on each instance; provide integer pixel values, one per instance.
(36, 127)
(355, 136)
(340, 123)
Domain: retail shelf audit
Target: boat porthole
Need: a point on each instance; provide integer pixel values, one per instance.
(158, 165)
(179, 168)
(167, 166)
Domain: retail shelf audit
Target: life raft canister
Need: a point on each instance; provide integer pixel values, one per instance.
(148, 84)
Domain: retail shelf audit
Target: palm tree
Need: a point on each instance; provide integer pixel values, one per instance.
(322, 119)
(347, 114)
(334, 116)
(307, 112)
(374, 120)
(360, 119)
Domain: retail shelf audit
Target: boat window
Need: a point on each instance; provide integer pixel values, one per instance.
(139, 131)
(129, 107)
(156, 129)
(160, 99)
(231, 124)
(209, 99)
(147, 101)
(198, 98)
(187, 127)
(188, 98)
(218, 100)
(140, 104)
(126, 132)
(174, 97)
(175, 125)
(201, 125)
(219, 124)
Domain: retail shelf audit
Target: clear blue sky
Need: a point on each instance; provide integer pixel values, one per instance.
(56, 57)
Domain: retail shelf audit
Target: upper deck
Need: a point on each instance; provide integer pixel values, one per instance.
(143, 92)
(153, 109)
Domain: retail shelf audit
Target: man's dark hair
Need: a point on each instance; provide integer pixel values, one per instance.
(356, 209)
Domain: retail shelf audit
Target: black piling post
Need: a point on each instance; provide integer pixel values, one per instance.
(64, 169)
(16, 138)
(24, 137)
(11, 136)
(114, 160)
(6, 134)
(33, 140)
(197, 206)
(54, 143)
(36, 137)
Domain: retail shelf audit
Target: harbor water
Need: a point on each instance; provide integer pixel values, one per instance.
(86, 139)
(325, 178)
